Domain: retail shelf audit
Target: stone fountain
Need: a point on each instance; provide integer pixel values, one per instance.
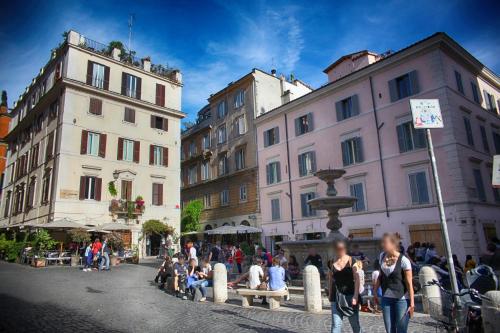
(332, 203)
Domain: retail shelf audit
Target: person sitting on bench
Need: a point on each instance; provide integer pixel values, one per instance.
(164, 272)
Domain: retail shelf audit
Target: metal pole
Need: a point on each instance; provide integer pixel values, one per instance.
(444, 228)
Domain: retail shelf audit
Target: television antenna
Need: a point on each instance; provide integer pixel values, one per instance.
(131, 18)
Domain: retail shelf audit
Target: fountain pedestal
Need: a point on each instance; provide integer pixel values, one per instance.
(332, 203)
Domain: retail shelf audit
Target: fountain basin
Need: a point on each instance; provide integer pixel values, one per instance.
(332, 203)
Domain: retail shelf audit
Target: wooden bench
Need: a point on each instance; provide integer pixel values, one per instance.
(273, 297)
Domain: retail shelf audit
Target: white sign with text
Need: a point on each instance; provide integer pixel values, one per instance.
(426, 113)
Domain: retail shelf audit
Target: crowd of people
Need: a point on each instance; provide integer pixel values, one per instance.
(96, 255)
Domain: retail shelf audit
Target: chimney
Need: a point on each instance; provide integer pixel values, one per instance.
(146, 64)
(115, 53)
(273, 72)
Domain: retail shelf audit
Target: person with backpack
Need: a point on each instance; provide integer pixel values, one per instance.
(395, 278)
(343, 290)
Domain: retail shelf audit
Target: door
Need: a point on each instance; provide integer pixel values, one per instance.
(428, 233)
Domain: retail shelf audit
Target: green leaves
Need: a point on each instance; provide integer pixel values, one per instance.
(191, 216)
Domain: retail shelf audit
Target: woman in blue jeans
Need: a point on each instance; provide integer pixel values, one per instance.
(395, 278)
(343, 279)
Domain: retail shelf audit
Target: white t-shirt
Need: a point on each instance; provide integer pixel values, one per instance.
(254, 274)
(375, 275)
(192, 254)
(405, 266)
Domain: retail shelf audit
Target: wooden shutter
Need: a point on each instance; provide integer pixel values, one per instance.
(266, 138)
(355, 105)
(160, 94)
(160, 194)
(303, 204)
(129, 115)
(393, 90)
(487, 100)
(153, 123)
(106, 78)
(82, 187)
(268, 174)
(137, 151)
(301, 165)
(313, 161)
(165, 157)
(165, 124)
(124, 83)
(98, 188)
(401, 138)
(151, 154)
(90, 72)
(102, 145)
(138, 88)
(310, 122)
(120, 149)
(359, 149)
(297, 126)
(414, 88)
(83, 145)
(345, 153)
(276, 135)
(278, 172)
(338, 110)
(95, 106)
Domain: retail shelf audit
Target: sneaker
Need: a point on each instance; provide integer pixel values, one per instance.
(184, 298)
(203, 299)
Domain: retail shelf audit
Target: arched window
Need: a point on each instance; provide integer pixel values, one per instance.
(208, 227)
(225, 224)
(245, 222)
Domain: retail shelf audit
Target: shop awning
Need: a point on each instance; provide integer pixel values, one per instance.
(115, 227)
(63, 223)
(232, 230)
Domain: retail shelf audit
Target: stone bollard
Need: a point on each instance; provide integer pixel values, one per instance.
(490, 311)
(425, 275)
(312, 289)
(220, 283)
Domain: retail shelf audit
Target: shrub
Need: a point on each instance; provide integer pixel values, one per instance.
(154, 227)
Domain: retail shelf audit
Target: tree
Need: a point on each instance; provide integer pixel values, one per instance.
(151, 227)
(191, 216)
(79, 236)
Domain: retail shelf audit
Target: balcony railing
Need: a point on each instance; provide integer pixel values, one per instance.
(125, 207)
(127, 58)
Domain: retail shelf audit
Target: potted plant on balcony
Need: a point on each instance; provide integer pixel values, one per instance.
(80, 236)
(139, 204)
(115, 203)
(42, 242)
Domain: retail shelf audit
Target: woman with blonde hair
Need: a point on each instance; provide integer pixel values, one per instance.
(395, 278)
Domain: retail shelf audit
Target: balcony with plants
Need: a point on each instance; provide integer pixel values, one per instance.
(122, 208)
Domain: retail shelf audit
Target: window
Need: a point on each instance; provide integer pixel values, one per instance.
(192, 149)
(221, 109)
(484, 138)
(126, 190)
(224, 198)
(468, 131)
(357, 190)
(129, 115)
(478, 178)
(460, 86)
(410, 138)
(273, 173)
(496, 142)
(243, 193)
(475, 93)
(205, 170)
(97, 75)
(46, 186)
(157, 194)
(192, 175)
(271, 137)
(307, 210)
(7, 204)
(307, 163)
(418, 188)
(490, 102)
(128, 150)
(159, 123)
(19, 198)
(131, 86)
(30, 200)
(157, 155)
(160, 94)
(240, 159)
(206, 141)
(95, 106)
(347, 108)
(90, 188)
(275, 209)
(49, 148)
(239, 99)
(352, 151)
(34, 156)
(93, 144)
(403, 86)
(304, 124)
(240, 127)
(223, 167)
(207, 201)
(221, 134)
(53, 110)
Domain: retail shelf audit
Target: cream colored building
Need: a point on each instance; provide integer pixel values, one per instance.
(90, 118)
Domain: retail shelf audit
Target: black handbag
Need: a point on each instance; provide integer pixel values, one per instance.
(344, 306)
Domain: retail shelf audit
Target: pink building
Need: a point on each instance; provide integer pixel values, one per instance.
(361, 121)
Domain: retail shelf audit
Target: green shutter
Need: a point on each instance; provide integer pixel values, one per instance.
(354, 105)
(414, 88)
(393, 90)
(338, 110)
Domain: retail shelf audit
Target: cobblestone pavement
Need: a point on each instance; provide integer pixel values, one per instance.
(63, 299)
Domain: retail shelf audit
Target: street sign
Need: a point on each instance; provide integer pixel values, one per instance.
(495, 181)
(426, 113)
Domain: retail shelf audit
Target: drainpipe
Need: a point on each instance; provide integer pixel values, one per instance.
(290, 196)
(379, 147)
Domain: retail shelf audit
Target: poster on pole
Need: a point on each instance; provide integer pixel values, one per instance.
(426, 113)
(496, 172)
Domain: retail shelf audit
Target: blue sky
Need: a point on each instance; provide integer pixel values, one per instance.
(216, 42)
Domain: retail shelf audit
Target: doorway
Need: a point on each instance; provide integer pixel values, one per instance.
(153, 245)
